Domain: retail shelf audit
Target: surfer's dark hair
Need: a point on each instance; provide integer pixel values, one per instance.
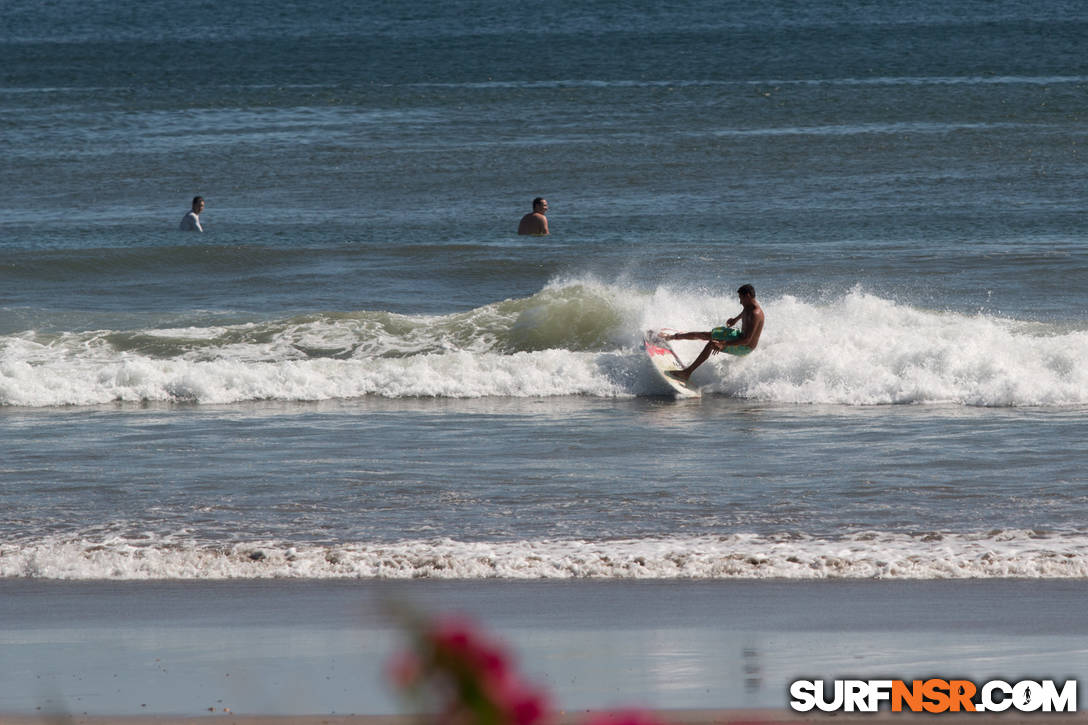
(197, 199)
(537, 200)
(747, 290)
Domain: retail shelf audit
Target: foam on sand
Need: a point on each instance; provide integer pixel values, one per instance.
(862, 555)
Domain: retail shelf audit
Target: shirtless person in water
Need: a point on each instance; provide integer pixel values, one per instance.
(726, 339)
(536, 221)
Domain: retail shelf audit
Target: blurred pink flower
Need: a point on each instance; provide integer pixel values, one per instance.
(470, 676)
(457, 641)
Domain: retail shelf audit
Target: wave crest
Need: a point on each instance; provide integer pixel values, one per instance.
(577, 337)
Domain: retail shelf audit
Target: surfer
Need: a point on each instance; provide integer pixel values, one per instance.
(726, 339)
(191, 221)
(536, 221)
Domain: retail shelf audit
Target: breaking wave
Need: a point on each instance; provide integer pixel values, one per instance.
(574, 337)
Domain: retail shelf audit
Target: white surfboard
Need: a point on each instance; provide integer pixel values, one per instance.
(665, 361)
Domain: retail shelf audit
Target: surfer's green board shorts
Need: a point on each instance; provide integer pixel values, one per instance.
(728, 334)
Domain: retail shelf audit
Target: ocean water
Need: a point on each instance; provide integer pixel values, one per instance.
(359, 370)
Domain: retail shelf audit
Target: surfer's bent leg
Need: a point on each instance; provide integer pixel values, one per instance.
(686, 372)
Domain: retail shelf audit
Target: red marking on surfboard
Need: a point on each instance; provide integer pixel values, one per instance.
(654, 350)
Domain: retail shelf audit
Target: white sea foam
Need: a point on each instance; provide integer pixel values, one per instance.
(576, 337)
(864, 555)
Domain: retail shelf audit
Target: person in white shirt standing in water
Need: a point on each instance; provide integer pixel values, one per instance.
(191, 221)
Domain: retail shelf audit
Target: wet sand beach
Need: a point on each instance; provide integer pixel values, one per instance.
(666, 717)
(302, 648)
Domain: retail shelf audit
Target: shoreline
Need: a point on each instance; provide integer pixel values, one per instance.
(175, 651)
